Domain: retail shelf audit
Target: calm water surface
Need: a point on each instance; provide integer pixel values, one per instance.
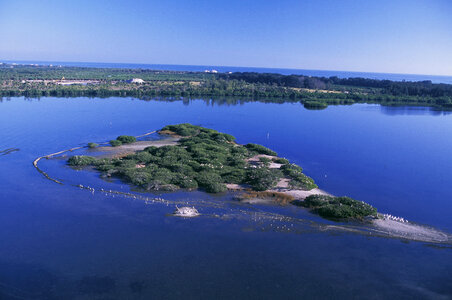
(61, 242)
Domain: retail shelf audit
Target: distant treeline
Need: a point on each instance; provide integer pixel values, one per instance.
(313, 92)
(395, 88)
(27, 72)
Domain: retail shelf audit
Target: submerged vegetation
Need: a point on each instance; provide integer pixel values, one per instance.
(312, 92)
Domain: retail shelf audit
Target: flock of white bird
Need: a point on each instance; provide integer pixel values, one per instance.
(394, 218)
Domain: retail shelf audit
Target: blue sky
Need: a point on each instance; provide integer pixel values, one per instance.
(374, 36)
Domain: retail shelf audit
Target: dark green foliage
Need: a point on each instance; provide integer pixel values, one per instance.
(185, 181)
(115, 143)
(228, 137)
(146, 157)
(81, 160)
(158, 185)
(315, 105)
(126, 139)
(211, 182)
(93, 145)
(234, 175)
(291, 169)
(205, 158)
(338, 208)
(126, 163)
(215, 187)
(265, 160)
(298, 179)
(280, 160)
(301, 181)
(137, 176)
(164, 175)
(260, 149)
(262, 178)
(185, 129)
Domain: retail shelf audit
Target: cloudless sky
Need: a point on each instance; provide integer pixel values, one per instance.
(393, 36)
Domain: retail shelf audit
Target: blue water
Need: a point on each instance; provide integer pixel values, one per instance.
(61, 242)
(320, 73)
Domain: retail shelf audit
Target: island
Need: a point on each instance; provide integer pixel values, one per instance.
(194, 157)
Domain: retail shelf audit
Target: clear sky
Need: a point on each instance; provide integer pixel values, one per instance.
(395, 36)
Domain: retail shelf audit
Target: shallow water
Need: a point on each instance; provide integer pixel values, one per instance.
(60, 241)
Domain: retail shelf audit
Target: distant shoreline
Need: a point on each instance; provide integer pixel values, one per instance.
(447, 79)
(314, 92)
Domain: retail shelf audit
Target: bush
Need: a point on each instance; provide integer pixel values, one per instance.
(265, 160)
(93, 145)
(338, 208)
(222, 137)
(184, 129)
(127, 164)
(146, 157)
(81, 160)
(228, 137)
(115, 143)
(280, 160)
(215, 187)
(138, 177)
(301, 181)
(185, 182)
(157, 185)
(260, 149)
(262, 178)
(291, 169)
(126, 139)
(108, 168)
(211, 182)
(234, 176)
(315, 105)
(298, 179)
(164, 175)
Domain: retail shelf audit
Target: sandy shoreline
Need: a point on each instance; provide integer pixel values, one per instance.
(137, 146)
(410, 231)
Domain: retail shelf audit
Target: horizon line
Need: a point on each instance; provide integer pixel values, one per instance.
(224, 66)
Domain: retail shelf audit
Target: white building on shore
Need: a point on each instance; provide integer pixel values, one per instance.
(137, 80)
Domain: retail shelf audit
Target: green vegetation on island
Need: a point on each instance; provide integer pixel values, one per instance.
(92, 145)
(203, 158)
(122, 139)
(126, 139)
(207, 159)
(338, 208)
(115, 143)
(313, 92)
